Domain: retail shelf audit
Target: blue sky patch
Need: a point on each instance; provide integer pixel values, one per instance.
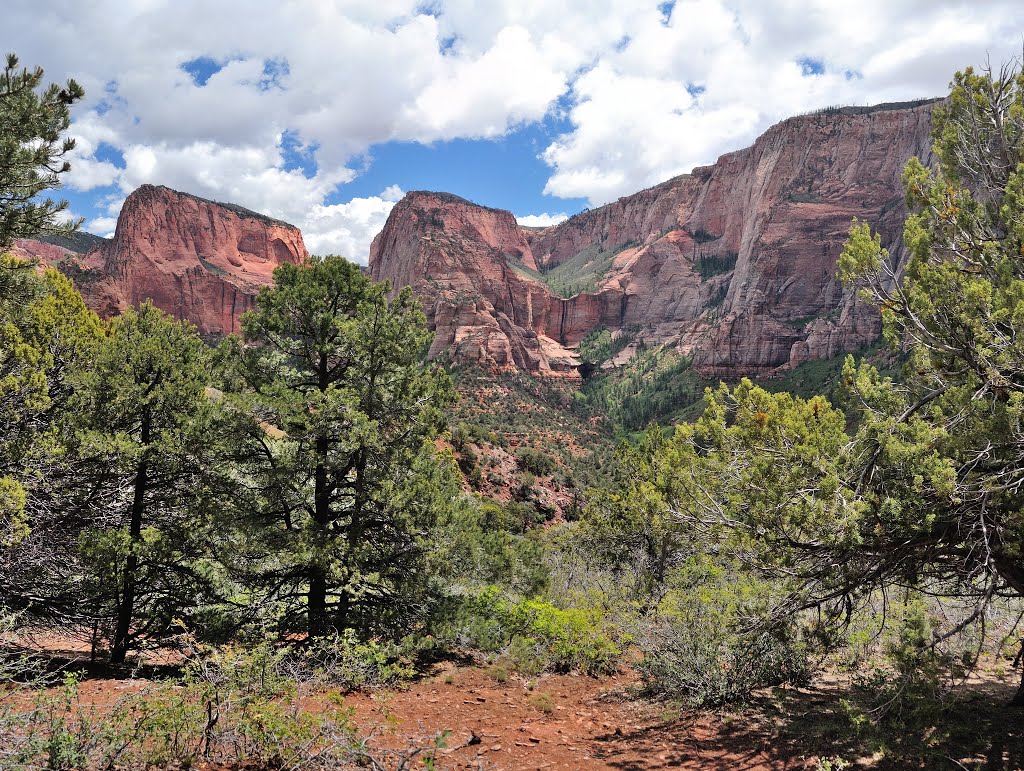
(506, 173)
(201, 69)
(296, 155)
(274, 73)
(810, 66)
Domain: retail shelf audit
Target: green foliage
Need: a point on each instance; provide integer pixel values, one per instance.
(335, 410)
(536, 635)
(939, 448)
(32, 150)
(706, 647)
(535, 461)
(582, 272)
(143, 424)
(824, 376)
(47, 337)
(600, 345)
(484, 542)
(657, 385)
(709, 265)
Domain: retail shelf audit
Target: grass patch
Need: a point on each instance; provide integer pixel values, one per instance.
(581, 273)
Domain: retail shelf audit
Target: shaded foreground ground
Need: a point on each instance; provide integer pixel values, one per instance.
(498, 720)
(568, 722)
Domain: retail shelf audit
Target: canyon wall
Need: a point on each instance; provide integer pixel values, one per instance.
(195, 259)
(733, 263)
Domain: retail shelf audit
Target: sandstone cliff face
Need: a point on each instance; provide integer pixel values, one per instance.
(195, 259)
(734, 263)
(469, 264)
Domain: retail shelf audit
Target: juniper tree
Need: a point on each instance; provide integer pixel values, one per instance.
(47, 338)
(958, 309)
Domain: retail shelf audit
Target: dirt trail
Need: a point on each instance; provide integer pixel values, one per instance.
(565, 722)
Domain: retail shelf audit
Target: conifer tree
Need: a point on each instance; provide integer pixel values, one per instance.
(48, 337)
(342, 405)
(143, 414)
(33, 153)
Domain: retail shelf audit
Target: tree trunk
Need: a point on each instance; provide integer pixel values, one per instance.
(316, 606)
(126, 606)
(1018, 700)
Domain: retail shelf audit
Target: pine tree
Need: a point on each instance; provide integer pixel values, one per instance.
(143, 415)
(342, 410)
(32, 152)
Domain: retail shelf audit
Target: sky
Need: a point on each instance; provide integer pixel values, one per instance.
(324, 113)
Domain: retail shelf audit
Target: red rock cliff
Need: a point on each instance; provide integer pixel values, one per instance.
(195, 259)
(470, 266)
(735, 262)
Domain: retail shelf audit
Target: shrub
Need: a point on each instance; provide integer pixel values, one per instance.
(232, 706)
(351, 663)
(706, 664)
(536, 635)
(535, 462)
(705, 649)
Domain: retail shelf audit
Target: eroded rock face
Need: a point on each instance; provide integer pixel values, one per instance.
(195, 259)
(469, 266)
(734, 263)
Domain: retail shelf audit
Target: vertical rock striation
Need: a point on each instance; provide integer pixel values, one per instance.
(734, 263)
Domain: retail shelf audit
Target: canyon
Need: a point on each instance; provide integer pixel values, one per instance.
(732, 264)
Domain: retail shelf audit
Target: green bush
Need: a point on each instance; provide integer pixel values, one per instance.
(707, 649)
(535, 462)
(351, 663)
(536, 635)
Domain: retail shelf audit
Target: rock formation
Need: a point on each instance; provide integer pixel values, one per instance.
(195, 259)
(734, 263)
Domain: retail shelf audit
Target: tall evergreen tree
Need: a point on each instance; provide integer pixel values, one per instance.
(47, 337)
(342, 405)
(143, 413)
(33, 153)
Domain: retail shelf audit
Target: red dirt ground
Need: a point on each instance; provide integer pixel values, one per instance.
(593, 724)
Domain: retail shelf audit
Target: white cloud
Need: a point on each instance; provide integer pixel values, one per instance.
(102, 226)
(643, 99)
(541, 220)
(481, 96)
(348, 228)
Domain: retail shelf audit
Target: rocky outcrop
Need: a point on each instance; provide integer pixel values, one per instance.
(470, 266)
(194, 259)
(733, 263)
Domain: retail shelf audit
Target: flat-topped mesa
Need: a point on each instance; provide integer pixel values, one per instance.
(734, 263)
(195, 259)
